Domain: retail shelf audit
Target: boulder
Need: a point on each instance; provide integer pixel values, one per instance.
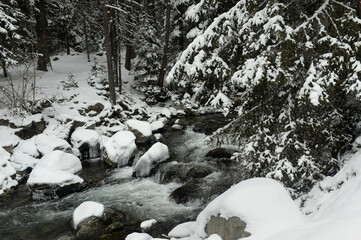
(228, 229)
(87, 141)
(142, 130)
(188, 192)
(119, 149)
(7, 172)
(32, 129)
(94, 221)
(199, 172)
(220, 153)
(48, 143)
(55, 174)
(157, 153)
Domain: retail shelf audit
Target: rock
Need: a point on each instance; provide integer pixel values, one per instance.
(94, 110)
(7, 172)
(48, 143)
(231, 229)
(119, 149)
(32, 129)
(142, 130)
(171, 172)
(199, 172)
(157, 153)
(220, 153)
(87, 141)
(112, 224)
(186, 193)
(54, 175)
(78, 49)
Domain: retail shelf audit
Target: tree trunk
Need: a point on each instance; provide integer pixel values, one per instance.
(358, 9)
(3, 65)
(120, 71)
(67, 41)
(109, 54)
(113, 40)
(86, 37)
(166, 44)
(129, 51)
(41, 26)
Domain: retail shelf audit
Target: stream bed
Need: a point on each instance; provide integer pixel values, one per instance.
(145, 198)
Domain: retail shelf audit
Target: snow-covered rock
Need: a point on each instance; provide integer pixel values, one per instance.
(25, 155)
(157, 153)
(139, 236)
(118, 150)
(148, 223)
(6, 172)
(87, 141)
(48, 143)
(157, 125)
(183, 230)
(55, 169)
(142, 130)
(85, 210)
(263, 204)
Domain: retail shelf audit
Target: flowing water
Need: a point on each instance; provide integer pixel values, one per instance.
(145, 198)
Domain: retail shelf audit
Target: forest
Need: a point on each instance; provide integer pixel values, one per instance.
(180, 119)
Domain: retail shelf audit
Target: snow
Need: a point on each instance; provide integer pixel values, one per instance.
(56, 169)
(138, 236)
(48, 143)
(25, 155)
(214, 237)
(6, 171)
(143, 127)
(157, 125)
(148, 223)
(157, 153)
(264, 204)
(183, 230)
(86, 136)
(85, 210)
(120, 147)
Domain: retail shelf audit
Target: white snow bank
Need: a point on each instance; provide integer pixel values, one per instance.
(56, 169)
(141, 236)
(157, 153)
(48, 143)
(214, 237)
(85, 210)
(264, 204)
(183, 230)
(120, 147)
(89, 137)
(6, 171)
(148, 223)
(142, 127)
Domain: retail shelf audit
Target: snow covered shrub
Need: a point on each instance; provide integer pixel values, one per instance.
(154, 94)
(70, 83)
(98, 79)
(292, 71)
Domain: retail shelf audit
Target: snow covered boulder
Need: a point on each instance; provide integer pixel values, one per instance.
(92, 220)
(53, 176)
(48, 143)
(25, 155)
(119, 149)
(142, 130)
(157, 153)
(87, 141)
(7, 172)
(258, 206)
(158, 125)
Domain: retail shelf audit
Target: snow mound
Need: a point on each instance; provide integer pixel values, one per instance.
(157, 125)
(264, 204)
(85, 210)
(183, 230)
(25, 155)
(119, 148)
(56, 169)
(138, 236)
(48, 143)
(81, 137)
(6, 171)
(157, 153)
(141, 129)
(214, 237)
(147, 224)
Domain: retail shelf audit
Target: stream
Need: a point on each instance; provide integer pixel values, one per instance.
(145, 198)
